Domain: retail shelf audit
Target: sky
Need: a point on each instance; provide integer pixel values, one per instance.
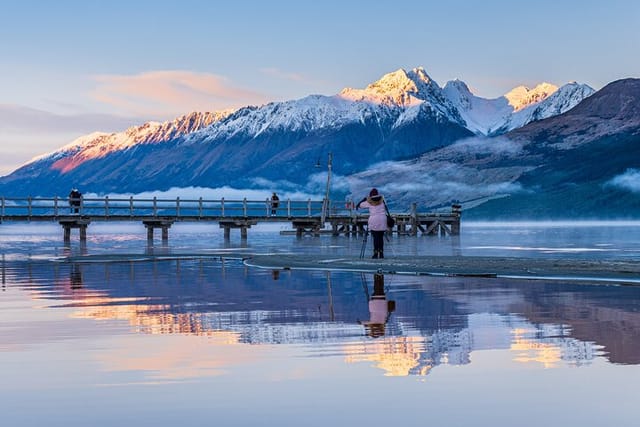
(69, 68)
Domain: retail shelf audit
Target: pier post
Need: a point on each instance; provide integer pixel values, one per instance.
(80, 223)
(456, 211)
(162, 224)
(414, 219)
(243, 224)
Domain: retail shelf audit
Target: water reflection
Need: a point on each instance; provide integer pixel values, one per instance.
(403, 325)
(379, 308)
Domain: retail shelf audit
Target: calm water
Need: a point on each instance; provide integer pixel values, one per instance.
(185, 334)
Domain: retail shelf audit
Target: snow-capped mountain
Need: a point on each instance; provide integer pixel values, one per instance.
(99, 144)
(579, 164)
(516, 108)
(401, 116)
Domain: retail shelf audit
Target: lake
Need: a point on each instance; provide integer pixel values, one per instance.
(121, 332)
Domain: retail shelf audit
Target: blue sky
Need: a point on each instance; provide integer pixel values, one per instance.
(73, 67)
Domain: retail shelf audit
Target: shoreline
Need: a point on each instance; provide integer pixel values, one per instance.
(602, 271)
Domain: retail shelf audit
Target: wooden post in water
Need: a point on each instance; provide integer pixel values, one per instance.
(456, 210)
(79, 223)
(162, 224)
(414, 219)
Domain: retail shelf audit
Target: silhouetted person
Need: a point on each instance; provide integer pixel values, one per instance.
(74, 200)
(275, 202)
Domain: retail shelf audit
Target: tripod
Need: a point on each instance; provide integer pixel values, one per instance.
(364, 242)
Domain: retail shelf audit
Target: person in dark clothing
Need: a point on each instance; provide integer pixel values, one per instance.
(74, 200)
(275, 201)
(377, 220)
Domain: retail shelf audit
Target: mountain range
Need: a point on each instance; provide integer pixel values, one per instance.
(435, 143)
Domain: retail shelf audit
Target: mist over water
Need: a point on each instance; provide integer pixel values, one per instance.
(185, 333)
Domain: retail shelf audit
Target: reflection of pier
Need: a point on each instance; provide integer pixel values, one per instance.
(305, 216)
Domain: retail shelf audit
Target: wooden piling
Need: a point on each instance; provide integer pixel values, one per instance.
(162, 224)
(80, 223)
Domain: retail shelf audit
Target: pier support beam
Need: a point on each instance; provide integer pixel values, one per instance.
(456, 211)
(162, 224)
(79, 223)
(243, 224)
(311, 226)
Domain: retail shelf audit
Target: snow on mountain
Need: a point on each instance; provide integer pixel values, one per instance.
(516, 108)
(307, 114)
(99, 144)
(561, 100)
(480, 115)
(400, 98)
(406, 89)
(522, 97)
(397, 96)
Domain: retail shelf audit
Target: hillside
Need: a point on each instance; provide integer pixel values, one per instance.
(579, 164)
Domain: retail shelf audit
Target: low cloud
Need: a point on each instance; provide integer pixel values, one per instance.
(172, 93)
(629, 180)
(228, 193)
(487, 146)
(431, 182)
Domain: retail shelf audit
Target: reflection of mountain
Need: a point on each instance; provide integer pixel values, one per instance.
(436, 320)
(563, 314)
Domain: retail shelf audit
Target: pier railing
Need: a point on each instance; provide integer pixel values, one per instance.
(34, 208)
(306, 216)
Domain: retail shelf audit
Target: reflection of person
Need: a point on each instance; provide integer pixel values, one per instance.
(379, 308)
(275, 201)
(74, 200)
(377, 220)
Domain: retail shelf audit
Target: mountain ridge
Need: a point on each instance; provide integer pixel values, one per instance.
(579, 164)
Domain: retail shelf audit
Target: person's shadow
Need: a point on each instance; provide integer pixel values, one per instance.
(379, 308)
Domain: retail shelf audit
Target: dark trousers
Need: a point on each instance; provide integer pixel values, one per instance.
(378, 243)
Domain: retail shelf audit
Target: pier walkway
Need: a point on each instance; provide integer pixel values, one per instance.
(306, 216)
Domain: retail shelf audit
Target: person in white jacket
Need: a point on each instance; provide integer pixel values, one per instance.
(377, 220)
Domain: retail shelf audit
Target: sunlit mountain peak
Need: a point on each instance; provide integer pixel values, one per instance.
(521, 97)
(401, 87)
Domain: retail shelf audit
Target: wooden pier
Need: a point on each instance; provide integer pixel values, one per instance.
(312, 217)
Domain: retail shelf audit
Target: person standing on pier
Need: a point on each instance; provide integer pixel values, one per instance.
(74, 200)
(275, 201)
(377, 220)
